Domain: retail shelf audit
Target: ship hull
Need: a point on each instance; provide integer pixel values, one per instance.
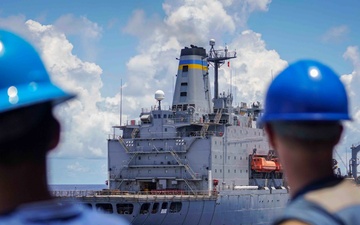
(228, 207)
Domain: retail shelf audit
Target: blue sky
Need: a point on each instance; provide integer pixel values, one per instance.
(90, 46)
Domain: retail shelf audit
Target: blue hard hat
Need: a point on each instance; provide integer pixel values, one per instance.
(24, 80)
(306, 90)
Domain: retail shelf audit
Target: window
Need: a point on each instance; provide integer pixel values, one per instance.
(185, 68)
(164, 207)
(88, 205)
(183, 93)
(184, 84)
(125, 208)
(175, 207)
(155, 208)
(145, 208)
(104, 207)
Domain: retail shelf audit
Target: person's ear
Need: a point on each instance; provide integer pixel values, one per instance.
(271, 136)
(55, 134)
(341, 129)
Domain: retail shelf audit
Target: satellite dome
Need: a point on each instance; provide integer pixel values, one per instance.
(159, 95)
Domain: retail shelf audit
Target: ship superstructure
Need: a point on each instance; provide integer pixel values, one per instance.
(200, 161)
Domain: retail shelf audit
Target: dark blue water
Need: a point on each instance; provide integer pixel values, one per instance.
(77, 187)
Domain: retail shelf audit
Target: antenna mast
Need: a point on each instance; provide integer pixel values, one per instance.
(121, 102)
(218, 57)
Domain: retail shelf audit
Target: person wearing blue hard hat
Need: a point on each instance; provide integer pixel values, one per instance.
(304, 107)
(28, 131)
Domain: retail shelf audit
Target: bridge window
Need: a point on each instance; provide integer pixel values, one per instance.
(125, 208)
(88, 205)
(164, 207)
(145, 208)
(175, 207)
(104, 207)
(155, 208)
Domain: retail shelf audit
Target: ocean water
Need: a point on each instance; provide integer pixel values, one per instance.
(77, 187)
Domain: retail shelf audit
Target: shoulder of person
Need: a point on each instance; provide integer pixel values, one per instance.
(336, 198)
(293, 222)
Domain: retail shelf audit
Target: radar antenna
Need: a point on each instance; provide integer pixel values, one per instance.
(159, 95)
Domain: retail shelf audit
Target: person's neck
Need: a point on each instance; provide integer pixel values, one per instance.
(305, 171)
(22, 184)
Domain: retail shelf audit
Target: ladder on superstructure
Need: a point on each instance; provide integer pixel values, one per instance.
(121, 141)
(187, 167)
(127, 163)
(218, 116)
(134, 132)
(204, 129)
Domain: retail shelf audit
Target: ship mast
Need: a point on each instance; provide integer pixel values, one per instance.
(218, 57)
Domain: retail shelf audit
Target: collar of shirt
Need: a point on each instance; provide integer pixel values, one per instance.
(318, 184)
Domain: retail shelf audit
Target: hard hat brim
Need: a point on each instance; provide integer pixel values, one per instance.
(34, 93)
(267, 118)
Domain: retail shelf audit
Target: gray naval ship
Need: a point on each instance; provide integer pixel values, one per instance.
(200, 161)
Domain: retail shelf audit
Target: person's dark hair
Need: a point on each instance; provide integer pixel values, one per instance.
(309, 134)
(26, 133)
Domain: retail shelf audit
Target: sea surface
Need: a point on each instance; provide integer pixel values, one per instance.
(77, 187)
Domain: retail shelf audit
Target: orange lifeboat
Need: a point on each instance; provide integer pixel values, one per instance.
(278, 165)
(260, 164)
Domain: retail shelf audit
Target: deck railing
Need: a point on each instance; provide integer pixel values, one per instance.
(203, 194)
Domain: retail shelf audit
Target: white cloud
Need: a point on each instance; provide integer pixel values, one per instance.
(85, 125)
(253, 68)
(336, 34)
(352, 128)
(77, 168)
(87, 31)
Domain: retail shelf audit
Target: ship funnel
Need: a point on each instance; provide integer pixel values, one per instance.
(192, 88)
